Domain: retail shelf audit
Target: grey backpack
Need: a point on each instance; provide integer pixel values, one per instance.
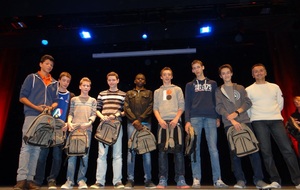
(41, 129)
(190, 142)
(59, 136)
(170, 140)
(242, 142)
(142, 141)
(108, 132)
(77, 143)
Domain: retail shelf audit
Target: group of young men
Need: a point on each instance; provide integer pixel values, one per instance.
(258, 106)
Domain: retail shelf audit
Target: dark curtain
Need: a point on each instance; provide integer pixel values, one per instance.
(285, 59)
(8, 69)
(286, 67)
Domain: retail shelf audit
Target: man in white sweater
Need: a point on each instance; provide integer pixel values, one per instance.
(267, 121)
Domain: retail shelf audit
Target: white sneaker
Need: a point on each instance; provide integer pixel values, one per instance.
(240, 185)
(220, 184)
(82, 185)
(260, 184)
(67, 185)
(275, 185)
(196, 183)
(298, 186)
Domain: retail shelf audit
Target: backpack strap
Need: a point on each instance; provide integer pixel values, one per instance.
(193, 134)
(229, 137)
(179, 134)
(170, 140)
(159, 136)
(132, 139)
(132, 142)
(167, 139)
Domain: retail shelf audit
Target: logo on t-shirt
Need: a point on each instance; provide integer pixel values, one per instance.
(202, 87)
(236, 94)
(167, 94)
(57, 112)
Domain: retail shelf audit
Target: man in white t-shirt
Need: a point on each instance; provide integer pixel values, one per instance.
(267, 121)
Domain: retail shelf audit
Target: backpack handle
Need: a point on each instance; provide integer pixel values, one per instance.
(47, 111)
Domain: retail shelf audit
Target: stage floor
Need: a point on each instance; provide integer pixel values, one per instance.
(169, 187)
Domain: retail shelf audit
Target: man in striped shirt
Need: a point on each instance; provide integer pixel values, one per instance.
(110, 107)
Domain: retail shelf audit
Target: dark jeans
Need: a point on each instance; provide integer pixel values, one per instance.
(178, 164)
(41, 164)
(264, 129)
(255, 163)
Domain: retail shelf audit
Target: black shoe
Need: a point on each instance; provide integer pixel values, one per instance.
(149, 185)
(20, 185)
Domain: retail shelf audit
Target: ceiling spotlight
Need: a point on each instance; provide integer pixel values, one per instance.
(205, 30)
(144, 36)
(44, 42)
(85, 35)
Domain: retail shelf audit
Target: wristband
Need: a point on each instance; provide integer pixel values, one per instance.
(237, 112)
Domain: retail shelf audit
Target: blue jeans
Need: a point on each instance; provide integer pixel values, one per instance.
(131, 157)
(210, 127)
(264, 130)
(116, 163)
(237, 165)
(41, 164)
(72, 162)
(28, 155)
(163, 164)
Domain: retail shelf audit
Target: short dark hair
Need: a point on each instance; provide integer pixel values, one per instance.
(45, 57)
(140, 74)
(225, 66)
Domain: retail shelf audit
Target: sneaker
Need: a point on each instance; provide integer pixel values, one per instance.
(298, 186)
(240, 184)
(162, 183)
(82, 184)
(220, 184)
(52, 184)
(181, 184)
(260, 184)
(20, 185)
(275, 185)
(119, 185)
(32, 186)
(97, 186)
(149, 185)
(67, 185)
(129, 184)
(196, 183)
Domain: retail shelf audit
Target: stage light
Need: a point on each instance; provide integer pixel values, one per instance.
(144, 36)
(44, 42)
(205, 30)
(85, 34)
